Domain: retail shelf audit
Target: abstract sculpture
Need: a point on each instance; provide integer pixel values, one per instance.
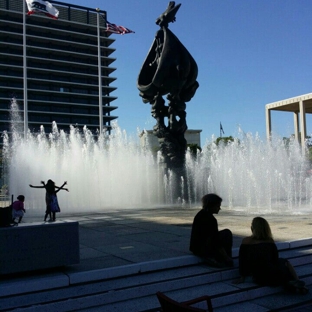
(170, 70)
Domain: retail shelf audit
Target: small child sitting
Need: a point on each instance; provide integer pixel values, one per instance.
(18, 209)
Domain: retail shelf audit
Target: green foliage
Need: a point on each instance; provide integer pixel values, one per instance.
(288, 141)
(194, 148)
(309, 148)
(310, 154)
(224, 140)
(4, 189)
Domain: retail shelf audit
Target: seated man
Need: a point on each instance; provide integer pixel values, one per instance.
(206, 240)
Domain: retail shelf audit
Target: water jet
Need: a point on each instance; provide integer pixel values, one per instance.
(114, 172)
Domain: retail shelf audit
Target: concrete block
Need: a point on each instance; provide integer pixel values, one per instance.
(308, 281)
(102, 274)
(126, 270)
(242, 307)
(300, 242)
(282, 245)
(36, 246)
(263, 291)
(32, 284)
(282, 300)
(235, 252)
(304, 270)
(229, 274)
(301, 260)
(230, 299)
(169, 263)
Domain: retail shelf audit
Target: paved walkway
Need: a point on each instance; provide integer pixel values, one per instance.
(111, 238)
(125, 236)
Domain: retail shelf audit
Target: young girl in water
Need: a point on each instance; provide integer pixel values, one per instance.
(52, 205)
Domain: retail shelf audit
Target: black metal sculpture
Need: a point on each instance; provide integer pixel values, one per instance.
(170, 70)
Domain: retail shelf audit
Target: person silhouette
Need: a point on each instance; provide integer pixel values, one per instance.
(52, 205)
(206, 240)
(18, 209)
(258, 257)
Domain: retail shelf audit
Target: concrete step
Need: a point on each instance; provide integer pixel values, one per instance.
(135, 290)
(225, 297)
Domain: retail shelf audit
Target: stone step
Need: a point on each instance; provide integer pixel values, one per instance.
(225, 297)
(273, 302)
(37, 282)
(138, 290)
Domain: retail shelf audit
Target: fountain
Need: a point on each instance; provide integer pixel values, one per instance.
(116, 172)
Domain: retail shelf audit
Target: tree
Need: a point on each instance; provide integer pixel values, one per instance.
(224, 140)
(194, 148)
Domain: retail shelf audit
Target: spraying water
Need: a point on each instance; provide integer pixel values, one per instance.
(116, 172)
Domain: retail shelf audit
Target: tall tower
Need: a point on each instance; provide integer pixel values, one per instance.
(60, 65)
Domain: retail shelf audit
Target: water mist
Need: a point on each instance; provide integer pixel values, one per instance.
(114, 171)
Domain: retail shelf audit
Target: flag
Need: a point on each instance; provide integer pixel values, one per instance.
(113, 28)
(221, 128)
(40, 6)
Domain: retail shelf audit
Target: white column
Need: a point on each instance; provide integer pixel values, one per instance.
(303, 127)
(25, 72)
(268, 122)
(100, 73)
(296, 126)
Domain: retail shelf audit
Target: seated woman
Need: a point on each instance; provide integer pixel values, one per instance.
(258, 257)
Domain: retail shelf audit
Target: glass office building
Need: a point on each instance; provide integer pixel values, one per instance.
(58, 67)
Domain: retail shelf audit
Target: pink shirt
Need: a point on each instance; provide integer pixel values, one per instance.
(18, 205)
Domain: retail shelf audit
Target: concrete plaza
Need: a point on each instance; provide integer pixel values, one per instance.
(118, 239)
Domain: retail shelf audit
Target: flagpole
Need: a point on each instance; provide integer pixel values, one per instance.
(221, 130)
(25, 73)
(100, 73)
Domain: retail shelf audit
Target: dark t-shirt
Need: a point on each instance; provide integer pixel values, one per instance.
(261, 261)
(204, 236)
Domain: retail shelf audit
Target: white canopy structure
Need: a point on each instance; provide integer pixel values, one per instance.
(299, 106)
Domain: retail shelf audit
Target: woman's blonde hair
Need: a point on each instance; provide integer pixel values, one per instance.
(261, 229)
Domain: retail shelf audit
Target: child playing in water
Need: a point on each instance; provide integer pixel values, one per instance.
(18, 209)
(51, 198)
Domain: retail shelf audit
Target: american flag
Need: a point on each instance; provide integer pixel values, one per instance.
(221, 128)
(44, 7)
(113, 28)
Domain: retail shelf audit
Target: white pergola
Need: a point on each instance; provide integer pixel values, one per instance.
(299, 106)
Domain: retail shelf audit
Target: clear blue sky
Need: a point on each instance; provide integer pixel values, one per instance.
(249, 53)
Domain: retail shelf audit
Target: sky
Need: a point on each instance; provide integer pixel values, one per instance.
(249, 53)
